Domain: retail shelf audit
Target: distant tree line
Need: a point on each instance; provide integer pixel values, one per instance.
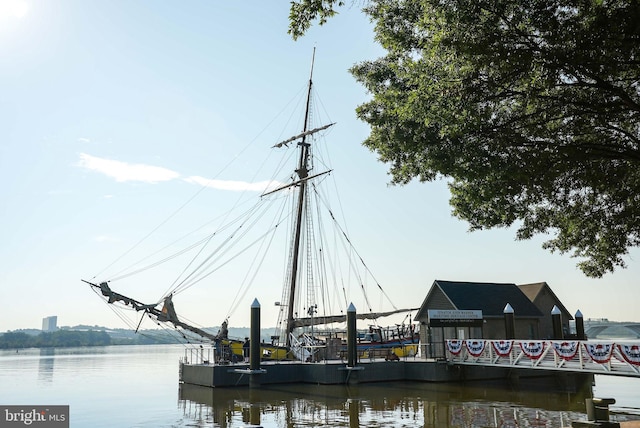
(83, 335)
(61, 338)
(72, 338)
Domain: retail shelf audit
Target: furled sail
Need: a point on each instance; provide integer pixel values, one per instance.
(295, 183)
(167, 314)
(309, 321)
(302, 134)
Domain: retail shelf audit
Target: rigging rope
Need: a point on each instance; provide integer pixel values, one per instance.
(352, 247)
(198, 192)
(188, 277)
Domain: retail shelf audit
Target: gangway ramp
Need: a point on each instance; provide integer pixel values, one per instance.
(587, 356)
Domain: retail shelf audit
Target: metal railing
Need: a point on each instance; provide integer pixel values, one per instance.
(598, 357)
(209, 355)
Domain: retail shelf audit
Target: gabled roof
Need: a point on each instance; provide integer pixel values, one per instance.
(534, 289)
(490, 298)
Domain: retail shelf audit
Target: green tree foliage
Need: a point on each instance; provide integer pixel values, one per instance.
(11, 340)
(303, 12)
(531, 110)
(57, 339)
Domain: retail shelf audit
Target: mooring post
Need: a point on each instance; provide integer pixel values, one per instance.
(254, 371)
(254, 341)
(254, 345)
(580, 326)
(351, 336)
(509, 322)
(598, 409)
(556, 320)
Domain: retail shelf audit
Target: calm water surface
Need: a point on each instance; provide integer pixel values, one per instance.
(137, 386)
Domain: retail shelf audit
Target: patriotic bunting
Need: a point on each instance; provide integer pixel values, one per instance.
(599, 352)
(502, 347)
(454, 346)
(631, 353)
(532, 349)
(475, 347)
(566, 350)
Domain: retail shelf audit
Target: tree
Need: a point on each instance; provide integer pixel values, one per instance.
(530, 110)
(304, 11)
(15, 340)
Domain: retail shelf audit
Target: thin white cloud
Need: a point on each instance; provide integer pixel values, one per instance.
(122, 171)
(236, 186)
(84, 140)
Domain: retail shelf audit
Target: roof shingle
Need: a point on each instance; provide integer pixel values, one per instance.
(490, 298)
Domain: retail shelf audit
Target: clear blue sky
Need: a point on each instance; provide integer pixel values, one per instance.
(108, 109)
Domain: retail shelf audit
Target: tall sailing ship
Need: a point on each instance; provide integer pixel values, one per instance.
(315, 285)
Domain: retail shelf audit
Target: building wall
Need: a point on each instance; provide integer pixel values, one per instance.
(437, 300)
(432, 339)
(545, 302)
(526, 328)
(494, 329)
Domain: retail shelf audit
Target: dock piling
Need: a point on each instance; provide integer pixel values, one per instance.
(556, 320)
(351, 336)
(509, 322)
(598, 408)
(580, 326)
(254, 345)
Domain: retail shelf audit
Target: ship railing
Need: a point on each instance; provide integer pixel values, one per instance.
(593, 356)
(196, 355)
(373, 353)
(218, 354)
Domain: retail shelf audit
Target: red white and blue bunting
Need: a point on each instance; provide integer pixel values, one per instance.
(599, 352)
(532, 349)
(502, 347)
(631, 353)
(454, 346)
(475, 347)
(566, 350)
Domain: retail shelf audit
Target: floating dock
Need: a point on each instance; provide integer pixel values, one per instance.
(339, 373)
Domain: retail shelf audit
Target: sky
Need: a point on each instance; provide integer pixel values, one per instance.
(114, 114)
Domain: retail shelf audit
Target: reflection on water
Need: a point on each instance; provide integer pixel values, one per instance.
(388, 404)
(45, 364)
(137, 386)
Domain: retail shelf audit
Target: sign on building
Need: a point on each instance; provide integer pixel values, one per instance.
(454, 318)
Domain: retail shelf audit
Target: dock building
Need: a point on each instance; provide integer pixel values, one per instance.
(476, 310)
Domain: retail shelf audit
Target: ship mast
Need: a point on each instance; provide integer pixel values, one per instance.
(303, 172)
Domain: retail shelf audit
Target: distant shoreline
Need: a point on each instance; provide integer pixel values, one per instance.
(67, 337)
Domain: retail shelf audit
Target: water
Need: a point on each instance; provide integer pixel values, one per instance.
(137, 386)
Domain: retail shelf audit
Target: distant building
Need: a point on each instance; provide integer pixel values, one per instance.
(50, 323)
